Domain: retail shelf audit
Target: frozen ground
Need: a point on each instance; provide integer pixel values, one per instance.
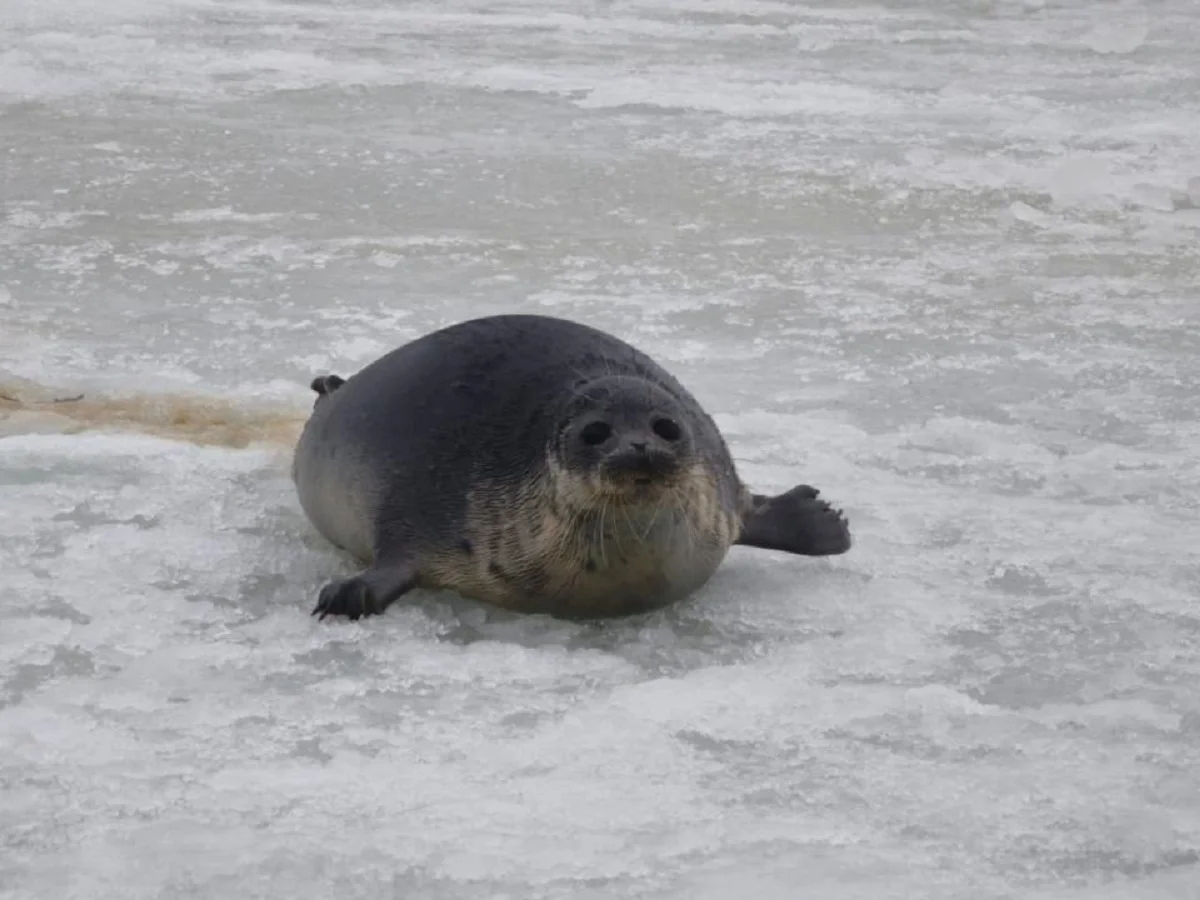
(937, 257)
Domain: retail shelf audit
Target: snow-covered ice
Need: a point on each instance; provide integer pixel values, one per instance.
(941, 259)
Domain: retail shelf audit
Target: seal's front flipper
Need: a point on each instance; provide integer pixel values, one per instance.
(796, 522)
(367, 594)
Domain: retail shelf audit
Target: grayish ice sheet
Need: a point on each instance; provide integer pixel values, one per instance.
(938, 258)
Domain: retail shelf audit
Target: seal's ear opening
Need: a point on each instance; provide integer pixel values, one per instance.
(327, 384)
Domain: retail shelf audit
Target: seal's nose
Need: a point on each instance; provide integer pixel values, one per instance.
(639, 456)
(634, 442)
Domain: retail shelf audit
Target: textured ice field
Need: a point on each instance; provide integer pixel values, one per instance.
(938, 257)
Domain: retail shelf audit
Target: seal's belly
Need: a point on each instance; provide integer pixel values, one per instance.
(624, 587)
(606, 573)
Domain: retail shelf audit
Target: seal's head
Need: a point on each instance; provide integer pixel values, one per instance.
(623, 438)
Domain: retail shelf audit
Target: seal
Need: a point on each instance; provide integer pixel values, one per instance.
(536, 464)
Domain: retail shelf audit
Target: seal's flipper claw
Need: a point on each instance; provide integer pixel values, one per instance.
(368, 594)
(795, 522)
(352, 598)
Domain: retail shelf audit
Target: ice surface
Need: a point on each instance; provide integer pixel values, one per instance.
(939, 259)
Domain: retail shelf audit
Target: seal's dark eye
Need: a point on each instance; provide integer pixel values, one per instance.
(595, 433)
(667, 429)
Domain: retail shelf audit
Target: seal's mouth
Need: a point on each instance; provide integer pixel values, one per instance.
(640, 469)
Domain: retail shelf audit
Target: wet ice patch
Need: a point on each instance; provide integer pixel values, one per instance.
(1121, 28)
(222, 214)
(737, 98)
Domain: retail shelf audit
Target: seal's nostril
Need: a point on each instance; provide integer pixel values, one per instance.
(639, 446)
(595, 433)
(667, 429)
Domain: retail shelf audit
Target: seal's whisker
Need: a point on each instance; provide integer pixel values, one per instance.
(601, 535)
(629, 529)
(691, 517)
(686, 505)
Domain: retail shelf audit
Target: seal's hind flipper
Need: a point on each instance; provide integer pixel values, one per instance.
(795, 522)
(327, 384)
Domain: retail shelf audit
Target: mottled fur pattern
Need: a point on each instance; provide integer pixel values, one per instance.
(565, 544)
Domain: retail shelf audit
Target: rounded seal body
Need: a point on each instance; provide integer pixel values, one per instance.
(530, 462)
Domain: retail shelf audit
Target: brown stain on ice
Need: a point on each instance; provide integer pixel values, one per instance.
(26, 407)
